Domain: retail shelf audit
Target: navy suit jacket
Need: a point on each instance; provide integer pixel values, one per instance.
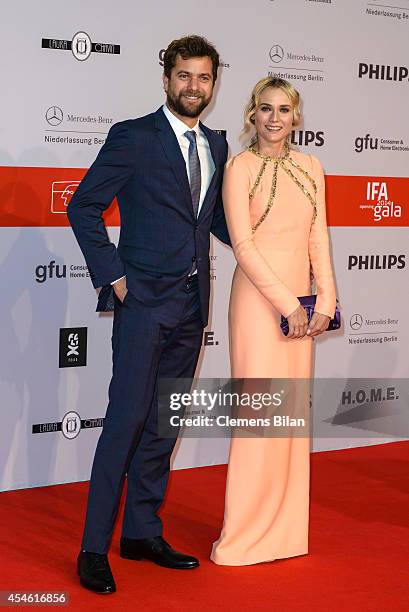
(141, 163)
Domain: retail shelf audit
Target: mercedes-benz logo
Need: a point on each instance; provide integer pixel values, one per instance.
(356, 321)
(276, 54)
(54, 115)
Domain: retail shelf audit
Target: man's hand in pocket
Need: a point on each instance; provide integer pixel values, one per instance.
(120, 288)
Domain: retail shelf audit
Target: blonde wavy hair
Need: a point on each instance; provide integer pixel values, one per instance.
(258, 89)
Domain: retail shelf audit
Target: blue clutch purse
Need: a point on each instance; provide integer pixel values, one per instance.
(308, 302)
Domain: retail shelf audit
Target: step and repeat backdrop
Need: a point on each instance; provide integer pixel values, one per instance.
(68, 74)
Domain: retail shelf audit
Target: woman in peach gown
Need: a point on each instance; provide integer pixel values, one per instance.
(275, 209)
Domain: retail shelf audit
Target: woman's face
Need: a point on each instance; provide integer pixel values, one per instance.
(273, 117)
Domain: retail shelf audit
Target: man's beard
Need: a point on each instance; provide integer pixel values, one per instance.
(177, 104)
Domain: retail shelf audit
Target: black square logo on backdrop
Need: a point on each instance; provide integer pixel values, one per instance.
(73, 347)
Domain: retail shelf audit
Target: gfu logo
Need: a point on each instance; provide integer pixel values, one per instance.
(61, 194)
(73, 347)
(383, 207)
(52, 270)
(71, 425)
(365, 143)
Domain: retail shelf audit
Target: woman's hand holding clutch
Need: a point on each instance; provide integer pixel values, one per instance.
(297, 323)
(318, 324)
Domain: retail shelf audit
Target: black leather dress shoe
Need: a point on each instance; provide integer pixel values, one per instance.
(156, 550)
(95, 573)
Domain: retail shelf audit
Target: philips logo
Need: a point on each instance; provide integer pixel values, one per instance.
(383, 72)
(307, 137)
(376, 262)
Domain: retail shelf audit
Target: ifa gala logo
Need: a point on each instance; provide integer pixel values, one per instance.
(377, 199)
(61, 194)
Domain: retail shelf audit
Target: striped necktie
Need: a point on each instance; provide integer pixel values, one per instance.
(194, 170)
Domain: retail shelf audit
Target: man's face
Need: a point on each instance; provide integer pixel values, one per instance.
(190, 86)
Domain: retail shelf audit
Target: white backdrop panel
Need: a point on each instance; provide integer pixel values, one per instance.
(320, 45)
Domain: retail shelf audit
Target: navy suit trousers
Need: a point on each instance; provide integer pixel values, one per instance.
(148, 343)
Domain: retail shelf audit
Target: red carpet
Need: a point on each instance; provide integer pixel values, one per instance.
(358, 558)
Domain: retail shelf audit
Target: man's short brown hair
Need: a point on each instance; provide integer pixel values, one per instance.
(187, 47)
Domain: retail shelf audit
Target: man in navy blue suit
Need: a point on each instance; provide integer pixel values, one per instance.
(166, 171)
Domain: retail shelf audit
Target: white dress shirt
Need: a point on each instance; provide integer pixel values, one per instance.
(206, 160)
(207, 166)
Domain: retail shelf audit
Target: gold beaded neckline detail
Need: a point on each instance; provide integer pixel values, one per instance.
(285, 161)
(271, 157)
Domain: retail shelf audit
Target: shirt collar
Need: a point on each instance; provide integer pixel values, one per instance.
(177, 125)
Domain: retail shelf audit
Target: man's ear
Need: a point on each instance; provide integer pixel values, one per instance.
(165, 82)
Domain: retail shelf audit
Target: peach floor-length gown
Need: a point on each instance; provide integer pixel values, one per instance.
(267, 491)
